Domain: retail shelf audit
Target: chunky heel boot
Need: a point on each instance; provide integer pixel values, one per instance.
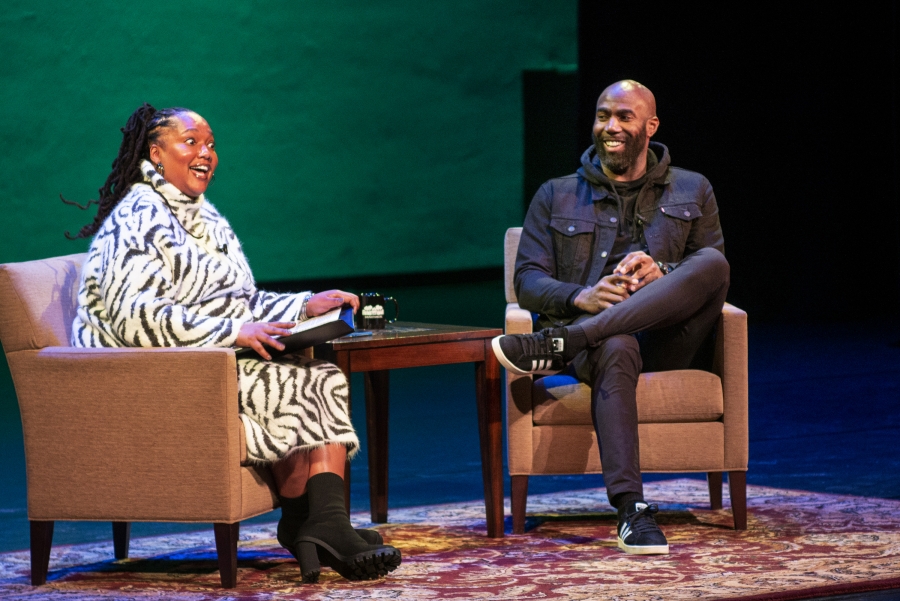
(295, 511)
(337, 544)
(309, 562)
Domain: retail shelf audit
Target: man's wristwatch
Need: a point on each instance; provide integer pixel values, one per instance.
(664, 267)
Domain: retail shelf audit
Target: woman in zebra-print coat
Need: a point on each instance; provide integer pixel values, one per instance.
(166, 269)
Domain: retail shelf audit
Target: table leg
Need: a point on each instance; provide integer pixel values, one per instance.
(377, 400)
(490, 424)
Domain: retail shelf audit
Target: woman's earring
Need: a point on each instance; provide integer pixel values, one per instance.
(160, 169)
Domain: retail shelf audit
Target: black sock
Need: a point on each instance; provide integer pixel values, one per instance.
(623, 501)
(576, 341)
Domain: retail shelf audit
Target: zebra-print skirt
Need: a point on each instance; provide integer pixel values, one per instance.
(293, 404)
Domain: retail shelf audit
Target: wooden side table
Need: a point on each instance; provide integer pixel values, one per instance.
(408, 344)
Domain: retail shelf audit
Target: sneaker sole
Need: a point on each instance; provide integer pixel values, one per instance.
(644, 549)
(508, 365)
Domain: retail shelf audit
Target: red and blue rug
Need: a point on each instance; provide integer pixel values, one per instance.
(797, 545)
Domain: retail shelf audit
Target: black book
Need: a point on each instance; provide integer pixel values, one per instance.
(315, 330)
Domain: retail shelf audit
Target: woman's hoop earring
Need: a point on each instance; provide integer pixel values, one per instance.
(160, 169)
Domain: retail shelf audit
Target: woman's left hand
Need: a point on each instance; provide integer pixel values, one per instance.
(256, 334)
(323, 302)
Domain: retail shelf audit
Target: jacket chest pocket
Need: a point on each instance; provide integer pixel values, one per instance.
(573, 241)
(671, 229)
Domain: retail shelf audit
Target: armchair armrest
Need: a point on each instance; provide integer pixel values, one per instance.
(143, 434)
(730, 364)
(518, 320)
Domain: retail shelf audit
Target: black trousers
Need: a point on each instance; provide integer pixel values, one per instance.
(669, 324)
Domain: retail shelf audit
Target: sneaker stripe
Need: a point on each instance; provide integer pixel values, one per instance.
(522, 354)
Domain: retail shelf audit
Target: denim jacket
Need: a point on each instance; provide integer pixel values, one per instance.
(571, 226)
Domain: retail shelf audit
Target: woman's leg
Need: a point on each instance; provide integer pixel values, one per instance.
(292, 472)
(328, 458)
(292, 475)
(277, 402)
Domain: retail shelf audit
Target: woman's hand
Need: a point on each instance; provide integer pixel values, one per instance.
(323, 302)
(256, 334)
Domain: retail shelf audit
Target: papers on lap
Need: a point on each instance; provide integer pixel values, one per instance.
(315, 330)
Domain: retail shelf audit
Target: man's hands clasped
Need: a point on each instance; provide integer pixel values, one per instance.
(634, 272)
(259, 335)
(640, 269)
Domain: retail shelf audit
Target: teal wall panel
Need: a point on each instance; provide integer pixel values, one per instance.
(354, 137)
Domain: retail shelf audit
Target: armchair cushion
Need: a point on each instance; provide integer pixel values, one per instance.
(663, 397)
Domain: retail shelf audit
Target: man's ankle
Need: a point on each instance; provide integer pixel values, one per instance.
(575, 341)
(623, 501)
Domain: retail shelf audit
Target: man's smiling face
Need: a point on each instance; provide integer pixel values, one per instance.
(624, 123)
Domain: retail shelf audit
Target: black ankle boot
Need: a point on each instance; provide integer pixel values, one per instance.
(328, 536)
(295, 511)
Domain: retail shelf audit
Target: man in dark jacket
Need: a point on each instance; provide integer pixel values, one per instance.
(623, 263)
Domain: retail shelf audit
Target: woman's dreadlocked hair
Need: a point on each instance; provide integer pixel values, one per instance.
(143, 128)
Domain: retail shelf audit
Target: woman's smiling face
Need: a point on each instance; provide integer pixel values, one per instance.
(187, 150)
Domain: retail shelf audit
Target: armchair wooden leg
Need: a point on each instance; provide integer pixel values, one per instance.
(121, 539)
(41, 541)
(519, 502)
(715, 489)
(226, 547)
(737, 488)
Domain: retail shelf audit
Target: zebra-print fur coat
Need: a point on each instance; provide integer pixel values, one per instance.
(167, 270)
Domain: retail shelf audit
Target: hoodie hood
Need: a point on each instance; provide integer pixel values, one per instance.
(592, 171)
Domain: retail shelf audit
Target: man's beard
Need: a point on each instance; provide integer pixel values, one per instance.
(621, 162)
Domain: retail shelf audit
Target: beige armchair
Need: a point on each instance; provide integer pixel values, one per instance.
(689, 420)
(122, 435)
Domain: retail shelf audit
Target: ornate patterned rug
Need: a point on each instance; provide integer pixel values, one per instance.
(797, 545)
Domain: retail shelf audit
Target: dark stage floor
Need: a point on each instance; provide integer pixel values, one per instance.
(824, 416)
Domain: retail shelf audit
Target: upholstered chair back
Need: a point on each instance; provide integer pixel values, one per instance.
(510, 249)
(37, 302)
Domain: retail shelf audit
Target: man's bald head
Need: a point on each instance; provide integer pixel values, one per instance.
(633, 91)
(626, 120)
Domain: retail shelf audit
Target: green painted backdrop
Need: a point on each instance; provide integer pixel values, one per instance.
(354, 137)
